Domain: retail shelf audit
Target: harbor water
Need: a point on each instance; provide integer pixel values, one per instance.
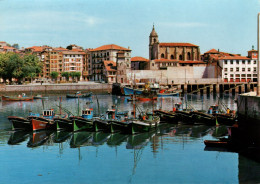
(172, 153)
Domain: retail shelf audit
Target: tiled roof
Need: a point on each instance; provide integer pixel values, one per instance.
(110, 47)
(59, 49)
(212, 51)
(177, 45)
(73, 52)
(36, 48)
(109, 68)
(138, 58)
(252, 51)
(233, 57)
(9, 48)
(166, 60)
(192, 62)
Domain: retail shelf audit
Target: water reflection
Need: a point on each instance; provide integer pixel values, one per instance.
(18, 137)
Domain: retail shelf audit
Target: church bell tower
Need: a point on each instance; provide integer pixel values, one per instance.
(153, 39)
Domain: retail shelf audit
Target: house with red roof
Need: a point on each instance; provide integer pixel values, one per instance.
(233, 67)
(109, 71)
(139, 63)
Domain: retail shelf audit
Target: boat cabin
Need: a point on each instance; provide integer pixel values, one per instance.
(111, 113)
(177, 107)
(213, 109)
(87, 113)
(48, 114)
(149, 115)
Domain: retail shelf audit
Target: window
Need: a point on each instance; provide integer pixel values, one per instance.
(243, 69)
(231, 75)
(249, 69)
(231, 69)
(188, 56)
(237, 62)
(249, 62)
(231, 62)
(225, 69)
(243, 62)
(152, 64)
(237, 75)
(254, 69)
(180, 57)
(254, 61)
(225, 61)
(172, 57)
(249, 75)
(162, 55)
(237, 69)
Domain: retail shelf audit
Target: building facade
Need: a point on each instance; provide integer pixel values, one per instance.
(97, 56)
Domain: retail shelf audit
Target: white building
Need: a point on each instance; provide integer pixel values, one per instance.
(238, 68)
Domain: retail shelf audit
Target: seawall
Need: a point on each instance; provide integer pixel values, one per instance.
(56, 88)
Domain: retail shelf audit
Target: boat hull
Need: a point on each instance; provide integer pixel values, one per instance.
(63, 124)
(85, 95)
(166, 116)
(8, 98)
(80, 123)
(140, 126)
(130, 91)
(39, 123)
(20, 123)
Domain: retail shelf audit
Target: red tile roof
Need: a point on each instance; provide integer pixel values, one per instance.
(138, 58)
(233, 57)
(192, 62)
(109, 68)
(59, 49)
(35, 48)
(9, 48)
(212, 51)
(177, 45)
(110, 47)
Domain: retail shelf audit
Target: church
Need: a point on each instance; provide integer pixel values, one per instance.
(163, 54)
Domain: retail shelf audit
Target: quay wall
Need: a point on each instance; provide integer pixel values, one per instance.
(59, 88)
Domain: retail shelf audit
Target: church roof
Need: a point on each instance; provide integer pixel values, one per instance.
(138, 58)
(177, 45)
(212, 51)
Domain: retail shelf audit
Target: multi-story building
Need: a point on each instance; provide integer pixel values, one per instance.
(111, 52)
(235, 68)
(73, 61)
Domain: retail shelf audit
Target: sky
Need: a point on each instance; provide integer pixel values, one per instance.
(227, 25)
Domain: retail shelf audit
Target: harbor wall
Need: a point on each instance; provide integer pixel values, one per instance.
(59, 88)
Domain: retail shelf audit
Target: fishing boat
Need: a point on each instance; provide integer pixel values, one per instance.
(22, 97)
(63, 124)
(131, 91)
(168, 93)
(103, 123)
(78, 94)
(83, 122)
(185, 116)
(144, 123)
(147, 95)
(203, 117)
(45, 121)
(20, 123)
(166, 116)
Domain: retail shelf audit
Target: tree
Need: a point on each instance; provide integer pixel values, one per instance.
(66, 75)
(54, 75)
(16, 45)
(75, 75)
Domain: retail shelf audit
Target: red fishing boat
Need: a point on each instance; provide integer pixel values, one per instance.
(43, 122)
(22, 97)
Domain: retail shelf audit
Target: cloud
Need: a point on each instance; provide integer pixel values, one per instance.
(48, 20)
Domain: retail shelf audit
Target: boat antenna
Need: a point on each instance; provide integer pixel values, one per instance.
(98, 105)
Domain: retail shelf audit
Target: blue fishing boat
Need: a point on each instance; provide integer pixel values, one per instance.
(131, 91)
